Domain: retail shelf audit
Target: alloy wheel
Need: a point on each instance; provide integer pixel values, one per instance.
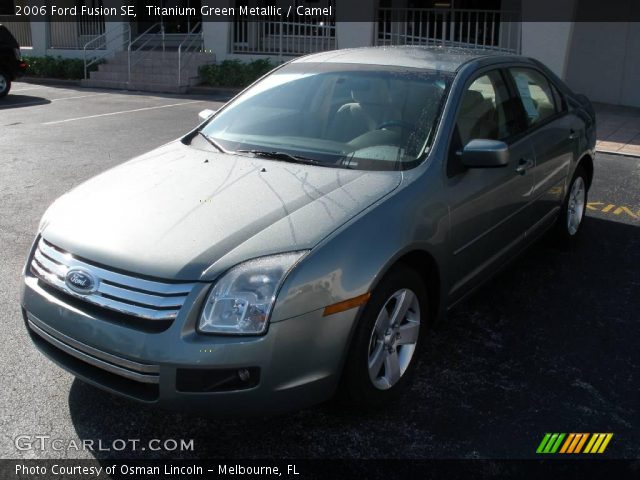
(575, 206)
(393, 339)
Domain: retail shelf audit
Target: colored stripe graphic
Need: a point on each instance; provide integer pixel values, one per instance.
(567, 443)
(550, 443)
(573, 443)
(581, 442)
(590, 444)
(576, 439)
(555, 447)
(605, 443)
(543, 443)
(598, 443)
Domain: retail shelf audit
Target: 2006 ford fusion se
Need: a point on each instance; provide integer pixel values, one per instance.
(303, 238)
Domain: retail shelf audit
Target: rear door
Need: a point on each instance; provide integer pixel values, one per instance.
(553, 136)
(489, 207)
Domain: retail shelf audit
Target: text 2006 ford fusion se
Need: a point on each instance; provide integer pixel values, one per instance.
(302, 239)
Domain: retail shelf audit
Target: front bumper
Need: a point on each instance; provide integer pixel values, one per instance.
(295, 365)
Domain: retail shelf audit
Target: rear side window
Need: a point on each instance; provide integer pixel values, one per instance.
(561, 105)
(535, 94)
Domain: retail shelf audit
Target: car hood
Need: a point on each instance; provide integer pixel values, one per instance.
(186, 214)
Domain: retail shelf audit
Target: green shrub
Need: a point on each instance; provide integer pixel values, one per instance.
(57, 67)
(234, 73)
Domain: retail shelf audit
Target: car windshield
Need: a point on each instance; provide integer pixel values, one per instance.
(336, 115)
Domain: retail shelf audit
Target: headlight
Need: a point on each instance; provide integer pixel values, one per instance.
(242, 299)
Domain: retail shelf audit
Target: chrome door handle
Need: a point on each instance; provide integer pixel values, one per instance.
(523, 165)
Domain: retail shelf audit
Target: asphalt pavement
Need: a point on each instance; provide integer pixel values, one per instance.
(549, 345)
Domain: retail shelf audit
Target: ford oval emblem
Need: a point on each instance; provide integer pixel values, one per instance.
(81, 281)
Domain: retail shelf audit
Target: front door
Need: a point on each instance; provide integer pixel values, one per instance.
(489, 207)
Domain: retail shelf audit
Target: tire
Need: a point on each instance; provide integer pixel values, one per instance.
(571, 218)
(5, 84)
(378, 347)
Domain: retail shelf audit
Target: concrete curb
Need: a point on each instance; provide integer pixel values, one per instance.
(50, 81)
(225, 92)
(619, 153)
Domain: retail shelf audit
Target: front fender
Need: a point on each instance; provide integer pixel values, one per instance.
(352, 260)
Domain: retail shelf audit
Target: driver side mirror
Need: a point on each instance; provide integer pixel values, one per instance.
(481, 153)
(206, 114)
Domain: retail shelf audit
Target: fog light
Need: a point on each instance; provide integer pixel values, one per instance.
(216, 379)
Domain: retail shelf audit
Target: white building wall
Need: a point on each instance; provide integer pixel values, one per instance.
(548, 42)
(356, 34)
(604, 62)
(217, 35)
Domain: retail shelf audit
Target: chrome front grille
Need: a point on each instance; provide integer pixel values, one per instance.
(147, 299)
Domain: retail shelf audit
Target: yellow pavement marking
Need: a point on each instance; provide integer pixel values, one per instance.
(626, 210)
(614, 209)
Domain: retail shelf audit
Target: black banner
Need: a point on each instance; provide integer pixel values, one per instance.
(302, 469)
(334, 10)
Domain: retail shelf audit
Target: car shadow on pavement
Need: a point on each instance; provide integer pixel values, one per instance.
(18, 101)
(550, 344)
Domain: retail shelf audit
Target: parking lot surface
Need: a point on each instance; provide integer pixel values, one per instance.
(549, 345)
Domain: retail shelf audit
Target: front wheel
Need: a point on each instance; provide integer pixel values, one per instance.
(388, 335)
(573, 208)
(5, 84)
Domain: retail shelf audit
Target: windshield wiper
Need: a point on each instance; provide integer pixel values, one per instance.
(284, 156)
(212, 141)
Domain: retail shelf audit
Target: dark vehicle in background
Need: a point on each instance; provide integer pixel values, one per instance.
(11, 64)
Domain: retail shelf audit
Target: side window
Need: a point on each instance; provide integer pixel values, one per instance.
(485, 112)
(535, 94)
(561, 105)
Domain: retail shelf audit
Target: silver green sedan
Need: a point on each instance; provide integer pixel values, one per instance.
(303, 238)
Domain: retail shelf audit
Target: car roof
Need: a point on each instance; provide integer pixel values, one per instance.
(448, 59)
